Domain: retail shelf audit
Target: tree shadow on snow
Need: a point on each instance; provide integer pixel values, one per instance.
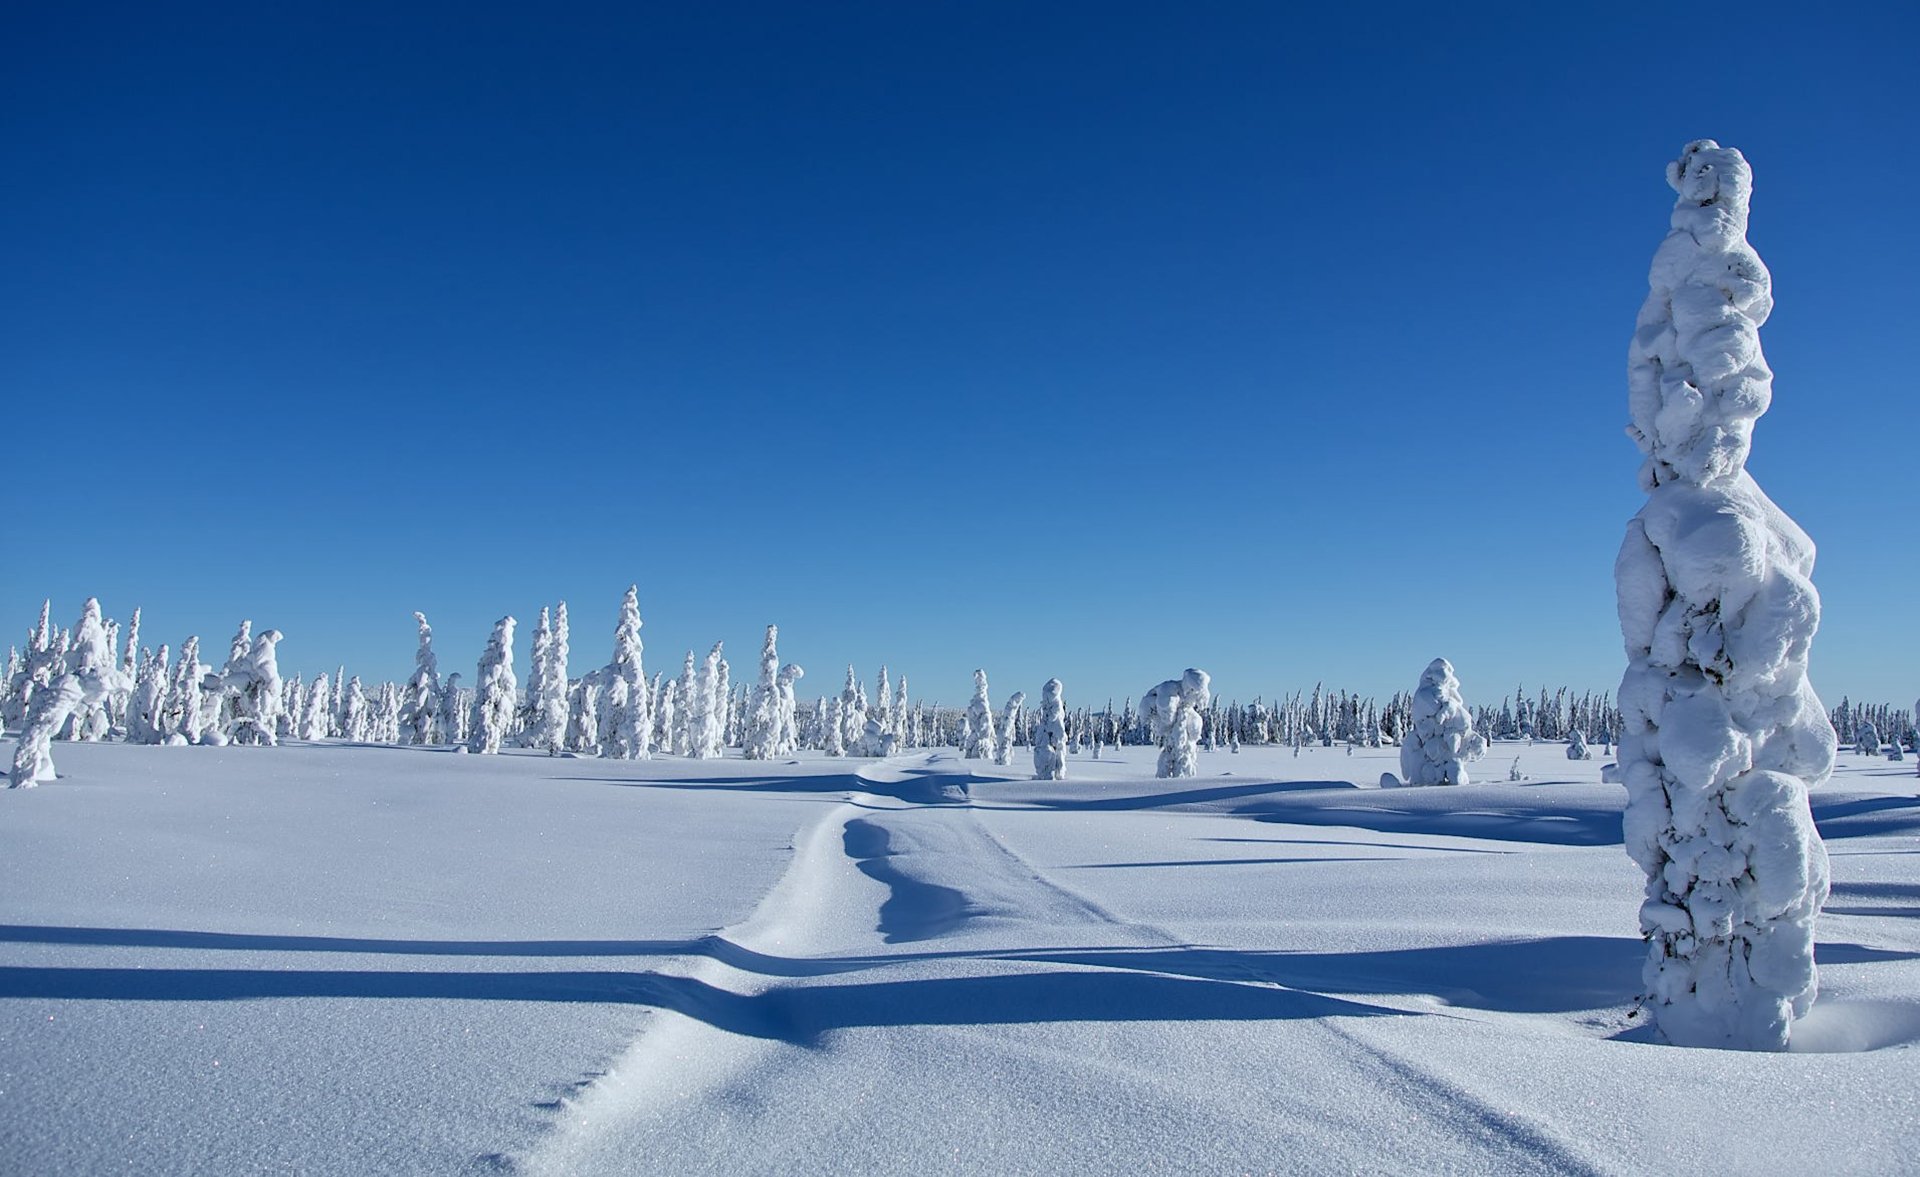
(796, 1015)
(1596, 827)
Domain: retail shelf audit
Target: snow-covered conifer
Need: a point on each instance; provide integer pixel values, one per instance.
(386, 715)
(35, 670)
(626, 715)
(420, 704)
(92, 656)
(852, 713)
(1577, 746)
(832, 739)
(1050, 738)
(1722, 735)
(978, 732)
(317, 720)
(762, 740)
(1175, 712)
(1866, 740)
(669, 721)
(149, 695)
(787, 741)
(494, 691)
(1009, 727)
(548, 730)
(1441, 740)
(92, 675)
(683, 709)
(356, 716)
(456, 711)
(705, 725)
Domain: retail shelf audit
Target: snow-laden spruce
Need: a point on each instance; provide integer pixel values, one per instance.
(1440, 739)
(420, 702)
(706, 723)
(1722, 734)
(547, 725)
(1050, 737)
(1577, 746)
(1867, 740)
(787, 729)
(762, 740)
(1009, 727)
(148, 699)
(91, 676)
(493, 695)
(626, 715)
(316, 720)
(977, 734)
(1175, 712)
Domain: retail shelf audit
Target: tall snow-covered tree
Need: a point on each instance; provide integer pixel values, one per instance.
(978, 732)
(1175, 712)
(317, 721)
(356, 714)
(626, 717)
(683, 711)
(149, 694)
(762, 740)
(706, 724)
(787, 740)
(420, 702)
(386, 715)
(1722, 735)
(494, 691)
(1050, 738)
(1009, 727)
(548, 730)
(1441, 740)
(91, 655)
(852, 714)
(456, 711)
(36, 669)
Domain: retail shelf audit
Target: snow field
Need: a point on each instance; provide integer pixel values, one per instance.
(404, 960)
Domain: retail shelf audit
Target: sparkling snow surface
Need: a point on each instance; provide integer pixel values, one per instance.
(338, 959)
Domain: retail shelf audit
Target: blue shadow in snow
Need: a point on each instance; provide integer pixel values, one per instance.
(798, 1015)
(913, 909)
(1866, 817)
(1184, 796)
(1578, 828)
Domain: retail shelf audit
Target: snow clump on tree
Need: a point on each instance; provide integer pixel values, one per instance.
(1440, 739)
(1722, 734)
(493, 697)
(1175, 712)
(977, 733)
(1050, 738)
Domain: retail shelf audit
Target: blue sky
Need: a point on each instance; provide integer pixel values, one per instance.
(1092, 340)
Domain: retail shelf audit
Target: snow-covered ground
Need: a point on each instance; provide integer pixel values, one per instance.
(344, 959)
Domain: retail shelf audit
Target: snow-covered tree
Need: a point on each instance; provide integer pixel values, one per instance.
(316, 722)
(420, 703)
(494, 690)
(670, 723)
(1577, 746)
(684, 707)
(1722, 734)
(36, 668)
(1175, 713)
(249, 690)
(456, 710)
(92, 674)
(386, 715)
(1440, 740)
(626, 714)
(706, 726)
(356, 715)
(787, 739)
(1009, 727)
(149, 695)
(548, 729)
(91, 655)
(762, 740)
(1867, 740)
(1050, 738)
(978, 732)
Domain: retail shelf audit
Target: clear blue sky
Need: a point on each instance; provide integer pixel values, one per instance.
(1092, 340)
